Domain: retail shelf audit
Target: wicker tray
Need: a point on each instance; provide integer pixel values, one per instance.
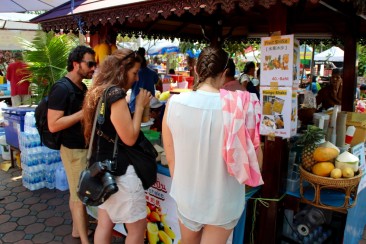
(348, 186)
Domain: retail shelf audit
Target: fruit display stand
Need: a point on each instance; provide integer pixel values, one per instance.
(343, 191)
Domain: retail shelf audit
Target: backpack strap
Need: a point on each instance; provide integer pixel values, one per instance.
(71, 91)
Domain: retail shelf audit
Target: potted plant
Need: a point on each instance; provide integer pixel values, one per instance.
(46, 57)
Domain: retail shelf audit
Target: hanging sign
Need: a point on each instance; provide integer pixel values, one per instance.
(279, 61)
(279, 111)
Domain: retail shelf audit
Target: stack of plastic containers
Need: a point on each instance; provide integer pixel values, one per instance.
(39, 163)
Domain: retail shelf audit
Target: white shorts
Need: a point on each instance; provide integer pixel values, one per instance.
(128, 204)
(195, 226)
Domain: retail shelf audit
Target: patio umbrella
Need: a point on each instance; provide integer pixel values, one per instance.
(29, 5)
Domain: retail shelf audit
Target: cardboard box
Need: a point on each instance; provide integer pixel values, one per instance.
(358, 120)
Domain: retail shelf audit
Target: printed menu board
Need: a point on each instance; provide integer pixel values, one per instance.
(279, 61)
(279, 111)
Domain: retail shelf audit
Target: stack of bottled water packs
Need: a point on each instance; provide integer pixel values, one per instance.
(41, 166)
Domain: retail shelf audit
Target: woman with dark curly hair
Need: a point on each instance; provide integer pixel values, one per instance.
(128, 205)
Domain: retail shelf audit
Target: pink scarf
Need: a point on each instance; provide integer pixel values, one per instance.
(241, 148)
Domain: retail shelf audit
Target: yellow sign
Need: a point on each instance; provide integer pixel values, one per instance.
(270, 42)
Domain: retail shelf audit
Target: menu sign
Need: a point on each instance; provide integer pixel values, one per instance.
(279, 61)
(278, 114)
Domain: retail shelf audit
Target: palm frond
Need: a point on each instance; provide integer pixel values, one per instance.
(46, 57)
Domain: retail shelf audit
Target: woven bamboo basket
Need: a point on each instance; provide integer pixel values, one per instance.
(348, 186)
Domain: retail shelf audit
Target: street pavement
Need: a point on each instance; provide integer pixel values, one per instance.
(40, 216)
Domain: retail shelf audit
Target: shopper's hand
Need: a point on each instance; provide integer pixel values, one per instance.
(143, 98)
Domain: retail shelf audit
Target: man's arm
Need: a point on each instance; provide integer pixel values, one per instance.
(57, 121)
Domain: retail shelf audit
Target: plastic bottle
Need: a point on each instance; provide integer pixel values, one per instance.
(61, 179)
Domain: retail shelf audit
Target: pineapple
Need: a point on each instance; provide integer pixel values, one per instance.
(309, 140)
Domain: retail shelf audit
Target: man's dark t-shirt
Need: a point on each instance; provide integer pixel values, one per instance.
(58, 99)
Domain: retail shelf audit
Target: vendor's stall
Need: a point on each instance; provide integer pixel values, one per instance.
(162, 213)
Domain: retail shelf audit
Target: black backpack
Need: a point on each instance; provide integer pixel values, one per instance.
(49, 139)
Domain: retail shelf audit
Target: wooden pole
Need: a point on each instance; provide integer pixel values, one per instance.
(349, 65)
(275, 160)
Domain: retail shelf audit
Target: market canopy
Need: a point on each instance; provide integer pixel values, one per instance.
(253, 56)
(20, 6)
(14, 27)
(153, 47)
(201, 20)
(333, 54)
(306, 52)
(17, 21)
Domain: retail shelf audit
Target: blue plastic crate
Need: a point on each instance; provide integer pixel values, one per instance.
(14, 123)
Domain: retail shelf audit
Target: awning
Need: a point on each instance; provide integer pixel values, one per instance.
(29, 5)
(198, 20)
(333, 54)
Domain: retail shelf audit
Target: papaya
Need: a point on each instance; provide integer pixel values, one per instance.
(323, 168)
(325, 154)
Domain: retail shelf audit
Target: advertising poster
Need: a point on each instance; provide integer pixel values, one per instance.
(277, 111)
(162, 220)
(278, 61)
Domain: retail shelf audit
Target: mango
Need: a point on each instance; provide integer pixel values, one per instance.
(325, 154)
(164, 237)
(169, 232)
(152, 233)
(323, 168)
(154, 217)
(347, 172)
(336, 173)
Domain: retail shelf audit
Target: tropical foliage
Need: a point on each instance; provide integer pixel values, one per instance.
(46, 57)
(361, 60)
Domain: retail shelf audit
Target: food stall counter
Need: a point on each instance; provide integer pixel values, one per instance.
(161, 210)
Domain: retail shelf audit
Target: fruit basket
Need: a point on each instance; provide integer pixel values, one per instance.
(343, 188)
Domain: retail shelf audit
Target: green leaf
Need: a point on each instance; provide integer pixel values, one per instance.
(46, 57)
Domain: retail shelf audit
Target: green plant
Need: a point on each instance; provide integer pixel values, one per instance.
(46, 57)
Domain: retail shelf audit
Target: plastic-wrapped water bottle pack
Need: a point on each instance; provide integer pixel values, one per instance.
(41, 166)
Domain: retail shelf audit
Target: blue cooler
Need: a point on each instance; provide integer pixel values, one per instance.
(14, 123)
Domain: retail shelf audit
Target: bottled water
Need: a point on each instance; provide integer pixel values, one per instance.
(39, 163)
(61, 179)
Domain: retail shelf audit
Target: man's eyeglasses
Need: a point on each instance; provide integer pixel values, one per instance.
(90, 64)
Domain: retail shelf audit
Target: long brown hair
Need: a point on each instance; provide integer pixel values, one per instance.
(112, 72)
